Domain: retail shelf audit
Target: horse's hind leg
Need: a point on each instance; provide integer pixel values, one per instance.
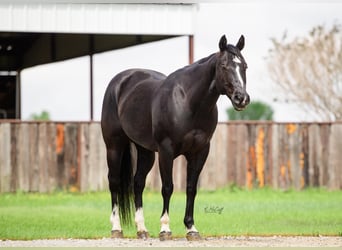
(114, 160)
(117, 146)
(118, 160)
(144, 164)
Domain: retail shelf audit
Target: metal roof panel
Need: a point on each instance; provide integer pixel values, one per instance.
(151, 19)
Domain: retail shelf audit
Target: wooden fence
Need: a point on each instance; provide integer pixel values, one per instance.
(45, 156)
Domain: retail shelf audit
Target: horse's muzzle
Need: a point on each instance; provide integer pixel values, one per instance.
(240, 100)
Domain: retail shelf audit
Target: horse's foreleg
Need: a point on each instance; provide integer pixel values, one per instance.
(144, 164)
(165, 168)
(194, 168)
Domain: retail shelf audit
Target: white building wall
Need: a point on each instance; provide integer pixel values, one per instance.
(159, 19)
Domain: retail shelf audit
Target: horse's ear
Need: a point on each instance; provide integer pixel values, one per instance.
(223, 43)
(241, 43)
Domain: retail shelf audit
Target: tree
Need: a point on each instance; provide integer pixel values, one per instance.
(309, 70)
(256, 110)
(43, 116)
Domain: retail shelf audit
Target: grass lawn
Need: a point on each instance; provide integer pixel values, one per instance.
(230, 211)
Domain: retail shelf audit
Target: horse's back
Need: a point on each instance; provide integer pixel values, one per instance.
(127, 104)
(127, 80)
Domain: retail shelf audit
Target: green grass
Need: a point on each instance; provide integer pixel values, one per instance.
(230, 211)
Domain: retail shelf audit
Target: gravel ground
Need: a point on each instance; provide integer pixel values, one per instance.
(242, 241)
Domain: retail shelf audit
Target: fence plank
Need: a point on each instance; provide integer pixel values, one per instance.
(216, 162)
(242, 149)
(283, 177)
(34, 159)
(42, 159)
(97, 159)
(295, 148)
(252, 160)
(71, 156)
(84, 159)
(5, 153)
(335, 158)
(324, 168)
(14, 157)
(52, 168)
(231, 152)
(260, 156)
(315, 155)
(268, 155)
(94, 168)
(275, 156)
(23, 158)
(60, 150)
(305, 156)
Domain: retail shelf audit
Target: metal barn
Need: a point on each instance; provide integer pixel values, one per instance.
(34, 33)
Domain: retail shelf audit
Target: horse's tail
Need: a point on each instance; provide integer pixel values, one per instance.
(125, 194)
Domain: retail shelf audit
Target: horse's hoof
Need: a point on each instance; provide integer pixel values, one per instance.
(165, 236)
(143, 235)
(193, 236)
(116, 234)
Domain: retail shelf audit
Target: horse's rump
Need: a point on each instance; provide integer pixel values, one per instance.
(133, 91)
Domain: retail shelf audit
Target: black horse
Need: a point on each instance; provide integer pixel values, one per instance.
(173, 115)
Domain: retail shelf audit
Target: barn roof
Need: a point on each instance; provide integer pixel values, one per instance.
(37, 33)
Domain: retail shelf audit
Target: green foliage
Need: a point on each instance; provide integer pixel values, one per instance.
(43, 116)
(229, 211)
(256, 110)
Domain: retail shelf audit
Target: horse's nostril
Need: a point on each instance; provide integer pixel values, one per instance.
(238, 98)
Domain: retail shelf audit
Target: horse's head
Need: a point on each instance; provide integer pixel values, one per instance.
(230, 73)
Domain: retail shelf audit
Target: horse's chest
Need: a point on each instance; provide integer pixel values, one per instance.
(195, 140)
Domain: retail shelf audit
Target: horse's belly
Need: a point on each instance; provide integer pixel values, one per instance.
(141, 136)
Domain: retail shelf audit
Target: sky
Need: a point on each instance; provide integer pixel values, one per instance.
(63, 88)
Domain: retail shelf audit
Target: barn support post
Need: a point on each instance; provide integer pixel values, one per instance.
(91, 68)
(191, 49)
(18, 96)
(91, 89)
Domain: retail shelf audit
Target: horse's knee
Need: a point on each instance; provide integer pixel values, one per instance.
(167, 189)
(191, 190)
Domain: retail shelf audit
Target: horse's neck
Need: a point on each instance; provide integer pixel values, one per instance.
(202, 87)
